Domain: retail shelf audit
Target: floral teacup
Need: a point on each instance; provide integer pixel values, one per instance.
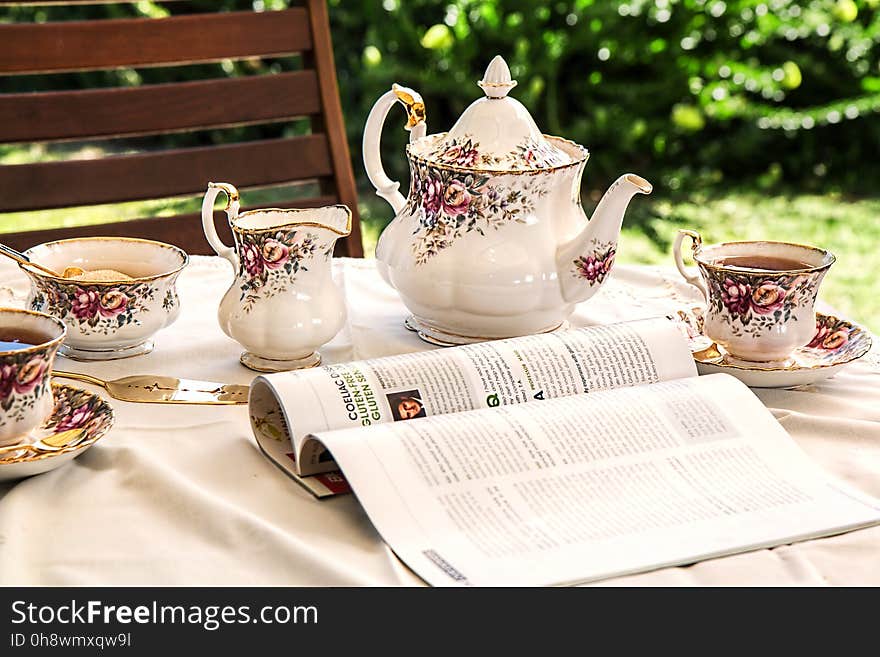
(108, 319)
(760, 295)
(25, 369)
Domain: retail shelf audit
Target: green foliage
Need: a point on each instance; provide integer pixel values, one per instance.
(688, 92)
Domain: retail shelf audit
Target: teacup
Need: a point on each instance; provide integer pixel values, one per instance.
(760, 295)
(28, 344)
(108, 319)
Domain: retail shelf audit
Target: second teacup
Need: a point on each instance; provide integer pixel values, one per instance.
(760, 295)
(28, 344)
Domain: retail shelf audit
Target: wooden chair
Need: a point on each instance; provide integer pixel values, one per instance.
(55, 116)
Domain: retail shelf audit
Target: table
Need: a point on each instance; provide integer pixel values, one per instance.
(181, 495)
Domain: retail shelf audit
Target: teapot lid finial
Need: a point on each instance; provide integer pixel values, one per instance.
(496, 82)
(496, 134)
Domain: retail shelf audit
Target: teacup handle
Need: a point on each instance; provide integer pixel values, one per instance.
(689, 275)
(232, 206)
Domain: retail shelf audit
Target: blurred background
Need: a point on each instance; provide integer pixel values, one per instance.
(753, 119)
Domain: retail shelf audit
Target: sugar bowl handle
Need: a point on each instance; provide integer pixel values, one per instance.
(415, 124)
(232, 206)
(690, 276)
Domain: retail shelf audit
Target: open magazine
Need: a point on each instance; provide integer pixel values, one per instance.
(551, 459)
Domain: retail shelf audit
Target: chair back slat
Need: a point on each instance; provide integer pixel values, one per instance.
(158, 108)
(256, 95)
(176, 172)
(71, 45)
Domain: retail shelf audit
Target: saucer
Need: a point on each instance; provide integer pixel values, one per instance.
(836, 343)
(75, 409)
(440, 338)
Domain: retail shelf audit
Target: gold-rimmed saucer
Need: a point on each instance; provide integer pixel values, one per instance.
(76, 410)
(836, 342)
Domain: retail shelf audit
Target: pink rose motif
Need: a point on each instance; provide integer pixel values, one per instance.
(590, 267)
(29, 375)
(7, 378)
(822, 332)
(460, 155)
(251, 259)
(77, 419)
(274, 254)
(113, 302)
(767, 298)
(456, 199)
(432, 192)
(85, 303)
(468, 158)
(451, 154)
(736, 296)
(836, 340)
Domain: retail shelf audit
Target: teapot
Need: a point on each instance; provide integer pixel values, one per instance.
(282, 304)
(491, 240)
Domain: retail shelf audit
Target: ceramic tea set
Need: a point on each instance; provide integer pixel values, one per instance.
(490, 242)
(283, 304)
(760, 323)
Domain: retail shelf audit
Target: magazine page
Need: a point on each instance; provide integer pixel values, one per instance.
(592, 486)
(288, 406)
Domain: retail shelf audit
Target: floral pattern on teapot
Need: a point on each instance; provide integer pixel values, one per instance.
(269, 262)
(595, 266)
(465, 152)
(753, 304)
(449, 204)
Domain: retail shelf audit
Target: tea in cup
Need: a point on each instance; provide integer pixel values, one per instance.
(760, 295)
(28, 343)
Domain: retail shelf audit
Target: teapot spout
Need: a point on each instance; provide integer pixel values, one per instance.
(584, 263)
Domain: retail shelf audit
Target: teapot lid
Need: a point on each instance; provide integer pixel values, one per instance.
(496, 133)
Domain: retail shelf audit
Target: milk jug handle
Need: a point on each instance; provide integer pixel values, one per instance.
(692, 277)
(232, 206)
(415, 110)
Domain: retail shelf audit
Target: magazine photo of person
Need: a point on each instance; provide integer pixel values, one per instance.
(406, 405)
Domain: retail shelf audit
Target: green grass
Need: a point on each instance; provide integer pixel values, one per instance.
(848, 227)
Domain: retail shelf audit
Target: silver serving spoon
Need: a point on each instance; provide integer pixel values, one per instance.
(22, 259)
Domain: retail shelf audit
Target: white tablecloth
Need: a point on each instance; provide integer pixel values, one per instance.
(180, 495)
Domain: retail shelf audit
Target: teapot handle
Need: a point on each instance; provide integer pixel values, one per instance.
(696, 243)
(415, 110)
(232, 206)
